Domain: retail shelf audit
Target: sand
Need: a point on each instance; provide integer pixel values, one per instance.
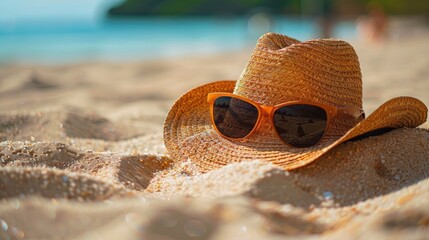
(82, 157)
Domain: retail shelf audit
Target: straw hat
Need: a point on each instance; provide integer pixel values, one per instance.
(284, 69)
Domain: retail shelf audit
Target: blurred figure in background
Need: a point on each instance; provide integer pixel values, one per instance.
(327, 20)
(260, 21)
(374, 26)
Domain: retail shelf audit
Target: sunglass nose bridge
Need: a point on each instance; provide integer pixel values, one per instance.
(266, 111)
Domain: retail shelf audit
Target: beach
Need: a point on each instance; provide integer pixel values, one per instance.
(82, 157)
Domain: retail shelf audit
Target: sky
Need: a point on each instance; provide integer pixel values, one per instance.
(48, 10)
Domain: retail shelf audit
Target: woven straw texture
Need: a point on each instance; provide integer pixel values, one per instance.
(283, 69)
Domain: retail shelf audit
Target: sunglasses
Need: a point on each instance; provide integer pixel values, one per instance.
(297, 123)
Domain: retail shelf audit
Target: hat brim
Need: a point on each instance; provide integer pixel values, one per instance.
(189, 134)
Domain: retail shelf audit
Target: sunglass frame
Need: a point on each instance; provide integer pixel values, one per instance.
(268, 112)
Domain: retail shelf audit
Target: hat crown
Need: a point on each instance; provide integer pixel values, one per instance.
(284, 69)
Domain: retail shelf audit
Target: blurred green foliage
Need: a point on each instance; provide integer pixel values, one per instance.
(240, 7)
(404, 6)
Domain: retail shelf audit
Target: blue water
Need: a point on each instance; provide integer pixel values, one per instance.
(150, 38)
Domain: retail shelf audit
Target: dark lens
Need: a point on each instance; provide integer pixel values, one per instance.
(233, 117)
(300, 125)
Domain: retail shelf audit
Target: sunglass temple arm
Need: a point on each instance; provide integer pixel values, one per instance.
(349, 112)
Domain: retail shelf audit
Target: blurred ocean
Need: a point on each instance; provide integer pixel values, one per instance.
(150, 38)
